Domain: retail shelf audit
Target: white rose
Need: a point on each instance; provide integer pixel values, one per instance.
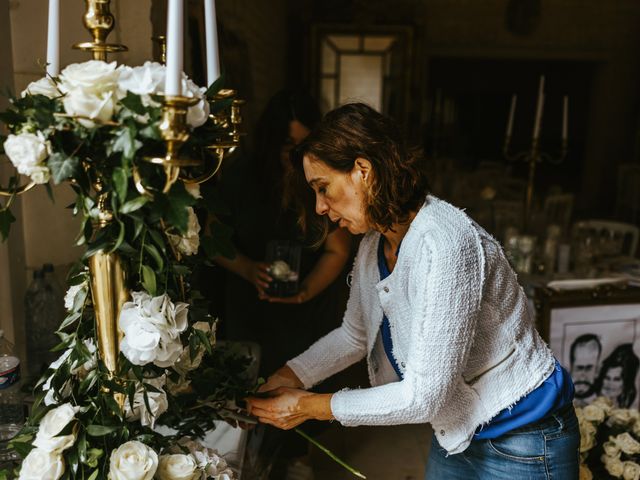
(604, 403)
(185, 363)
(141, 340)
(157, 402)
(631, 471)
(594, 413)
(188, 243)
(26, 151)
(92, 77)
(152, 327)
(585, 473)
(42, 465)
(93, 107)
(72, 292)
(48, 437)
(207, 459)
(169, 352)
(627, 443)
(611, 449)
(587, 436)
(613, 465)
(198, 114)
(133, 461)
(622, 417)
(40, 175)
(162, 312)
(178, 467)
(44, 86)
(144, 80)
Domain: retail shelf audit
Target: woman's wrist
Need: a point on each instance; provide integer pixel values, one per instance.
(317, 406)
(287, 373)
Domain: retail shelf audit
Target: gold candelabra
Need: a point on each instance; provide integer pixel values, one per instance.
(108, 278)
(99, 21)
(533, 156)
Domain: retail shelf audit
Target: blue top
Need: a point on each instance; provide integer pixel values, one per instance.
(553, 394)
(385, 329)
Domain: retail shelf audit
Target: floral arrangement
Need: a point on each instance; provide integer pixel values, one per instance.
(93, 126)
(609, 446)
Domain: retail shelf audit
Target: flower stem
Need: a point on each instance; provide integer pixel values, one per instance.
(330, 453)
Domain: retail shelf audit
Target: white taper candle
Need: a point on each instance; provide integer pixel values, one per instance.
(53, 39)
(512, 113)
(539, 109)
(211, 31)
(175, 36)
(565, 117)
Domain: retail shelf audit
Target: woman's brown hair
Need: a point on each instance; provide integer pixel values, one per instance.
(355, 130)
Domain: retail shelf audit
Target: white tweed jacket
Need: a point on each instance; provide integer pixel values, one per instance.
(461, 332)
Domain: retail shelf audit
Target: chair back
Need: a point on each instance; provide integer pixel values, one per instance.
(613, 238)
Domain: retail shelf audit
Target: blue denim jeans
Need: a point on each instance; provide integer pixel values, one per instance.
(547, 449)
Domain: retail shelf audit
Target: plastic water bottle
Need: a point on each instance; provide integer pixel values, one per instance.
(11, 407)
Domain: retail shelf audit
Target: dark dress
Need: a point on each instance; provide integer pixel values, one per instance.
(282, 330)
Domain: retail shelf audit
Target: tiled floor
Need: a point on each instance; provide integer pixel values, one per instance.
(380, 453)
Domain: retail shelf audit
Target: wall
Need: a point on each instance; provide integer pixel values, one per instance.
(605, 33)
(12, 250)
(46, 230)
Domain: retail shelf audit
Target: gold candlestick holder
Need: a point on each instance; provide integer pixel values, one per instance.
(175, 131)
(533, 156)
(99, 21)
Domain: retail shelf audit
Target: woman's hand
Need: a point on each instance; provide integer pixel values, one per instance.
(301, 297)
(283, 377)
(289, 407)
(257, 273)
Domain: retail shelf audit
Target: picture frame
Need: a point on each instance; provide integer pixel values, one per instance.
(595, 335)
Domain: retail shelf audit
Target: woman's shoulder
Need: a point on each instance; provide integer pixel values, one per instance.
(440, 221)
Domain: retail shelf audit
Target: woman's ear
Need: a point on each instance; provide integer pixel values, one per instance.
(363, 169)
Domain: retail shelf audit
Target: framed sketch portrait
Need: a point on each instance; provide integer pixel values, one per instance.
(595, 335)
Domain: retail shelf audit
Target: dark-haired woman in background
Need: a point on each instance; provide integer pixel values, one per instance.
(617, 378)
(438, 313)
(258, 190)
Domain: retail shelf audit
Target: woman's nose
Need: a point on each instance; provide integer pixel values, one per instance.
(321, 206)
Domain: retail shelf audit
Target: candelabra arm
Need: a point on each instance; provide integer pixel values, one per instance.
(11, 192)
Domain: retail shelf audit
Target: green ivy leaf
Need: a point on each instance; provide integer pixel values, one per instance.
(153, 251)
(70, 319)
(204, 339)
(62, 167)
(149, 280)
(125, 141)
(134, 103)
(135, 204)
(120, 182)
(6, 219)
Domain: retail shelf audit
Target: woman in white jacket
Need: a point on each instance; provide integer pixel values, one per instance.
(438, 313)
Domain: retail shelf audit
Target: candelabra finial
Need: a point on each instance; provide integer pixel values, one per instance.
(99, 21)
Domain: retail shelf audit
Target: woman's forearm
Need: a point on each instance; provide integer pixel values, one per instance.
(240, 264)
(329, 265)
